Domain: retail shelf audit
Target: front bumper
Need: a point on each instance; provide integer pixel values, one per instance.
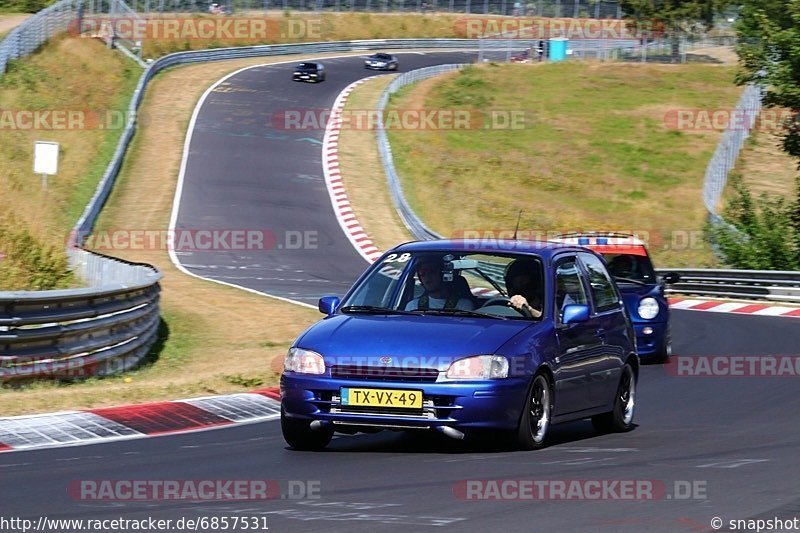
(477, 404)
(650, 345)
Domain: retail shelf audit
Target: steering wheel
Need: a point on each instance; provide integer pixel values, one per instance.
(502, 300)
(498, 300)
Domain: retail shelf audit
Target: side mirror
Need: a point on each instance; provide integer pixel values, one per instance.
(574, 313)
(671, 277)
(327, 305)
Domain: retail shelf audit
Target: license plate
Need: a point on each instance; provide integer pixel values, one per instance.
(405, 399)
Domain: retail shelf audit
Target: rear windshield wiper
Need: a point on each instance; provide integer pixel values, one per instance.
(374, 309)
(629, 280)
(459, 312)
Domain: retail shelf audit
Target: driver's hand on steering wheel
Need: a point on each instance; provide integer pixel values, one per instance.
(519, 303)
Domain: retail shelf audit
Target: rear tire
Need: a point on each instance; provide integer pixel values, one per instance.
(534, 423)
(620, 419)
(299, 435)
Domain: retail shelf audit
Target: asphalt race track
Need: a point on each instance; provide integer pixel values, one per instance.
(247, 171)
(734, 441)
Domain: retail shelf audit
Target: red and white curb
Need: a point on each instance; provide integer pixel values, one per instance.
(77, 428)
(742, 308)
(333, 179)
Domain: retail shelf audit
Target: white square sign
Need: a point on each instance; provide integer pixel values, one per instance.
(45, 158)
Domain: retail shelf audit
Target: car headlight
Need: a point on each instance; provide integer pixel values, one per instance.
(479, 367)
(303, 362)
(648, 308)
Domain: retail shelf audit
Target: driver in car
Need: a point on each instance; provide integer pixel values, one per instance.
(438, 294)
(522, 285)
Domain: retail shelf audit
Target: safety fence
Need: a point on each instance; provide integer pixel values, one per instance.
(728, 148)
(542, 8)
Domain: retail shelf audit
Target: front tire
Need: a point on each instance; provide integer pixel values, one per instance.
(534, 423)
(299, 435)
(620, 419)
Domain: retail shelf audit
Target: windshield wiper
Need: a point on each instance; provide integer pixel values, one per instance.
(374, 309)
(458, 312)
(629, 280)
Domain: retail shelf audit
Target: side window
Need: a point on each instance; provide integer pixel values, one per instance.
(603, 289)
(569, 289)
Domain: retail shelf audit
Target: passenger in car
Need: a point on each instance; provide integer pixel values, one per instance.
(523, 283)
(438, 294)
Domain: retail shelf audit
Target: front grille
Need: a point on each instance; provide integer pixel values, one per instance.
(397, 411)
(384, 373)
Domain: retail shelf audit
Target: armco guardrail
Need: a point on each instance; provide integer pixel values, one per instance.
(417, 228)
(103, 329)
(778, 286)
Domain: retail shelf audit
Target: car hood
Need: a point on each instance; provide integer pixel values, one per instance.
(429, 341)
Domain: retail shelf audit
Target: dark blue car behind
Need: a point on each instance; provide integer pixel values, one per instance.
(466, 336)
(642, 290)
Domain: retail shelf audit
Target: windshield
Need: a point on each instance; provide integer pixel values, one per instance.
(631, 267)
(457, 283)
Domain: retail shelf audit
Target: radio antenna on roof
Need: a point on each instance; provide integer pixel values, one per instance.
(516, 228)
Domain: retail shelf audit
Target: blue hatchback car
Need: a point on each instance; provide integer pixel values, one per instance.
(642, 290)
(461, 336)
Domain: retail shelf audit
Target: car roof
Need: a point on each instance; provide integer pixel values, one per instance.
(605, 242)
(545, 249)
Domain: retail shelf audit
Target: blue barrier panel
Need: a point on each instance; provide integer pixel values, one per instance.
(558, 49)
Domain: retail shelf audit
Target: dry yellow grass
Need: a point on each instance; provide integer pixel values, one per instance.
(363, 175)
(312, 27)
(765, 167)
(596, 152)
(69, 92)
(61, 78)
(9, 22)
